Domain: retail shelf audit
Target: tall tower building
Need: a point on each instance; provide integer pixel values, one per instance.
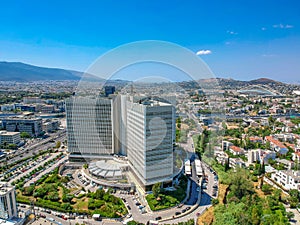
(150, 127)
(8, 203)
(90, 124)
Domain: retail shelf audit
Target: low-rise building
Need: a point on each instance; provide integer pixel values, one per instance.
(9, 137)
(32, 126)
(296, 157)
(7, 107)
(43, 108)
(254, 156)
(31, 100)
(221, 157)
(276, 145)
(51, 125)
(288, 179)
(236, 162)
(261, 156)
(287, 163)
(236, 150)
(256, 139)
(226, 145)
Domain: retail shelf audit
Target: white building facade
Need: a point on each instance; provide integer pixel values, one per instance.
(9, 137)
(150, 127)
(89, 127)
(8, 203)
(289, 179)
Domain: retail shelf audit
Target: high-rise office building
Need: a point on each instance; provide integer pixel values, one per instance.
(8, 203)
(140, 128)
(150, 127)
(89, 126)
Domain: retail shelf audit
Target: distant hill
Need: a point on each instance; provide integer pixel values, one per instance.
(237, 83)
(17, 71)
(263, 81)
(21, 72)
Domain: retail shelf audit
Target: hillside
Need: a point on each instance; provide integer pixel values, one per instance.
(16, 71)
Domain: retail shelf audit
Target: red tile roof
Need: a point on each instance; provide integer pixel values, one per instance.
(275, 142)
(235, 148)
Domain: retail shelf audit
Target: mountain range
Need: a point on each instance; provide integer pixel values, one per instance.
(21, 72)
(17, 71)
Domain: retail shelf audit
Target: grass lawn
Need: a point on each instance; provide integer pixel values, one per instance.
(81, 204)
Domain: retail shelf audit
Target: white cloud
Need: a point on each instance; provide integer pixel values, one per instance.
(204, 52)
(283, 26)
(289, 26)
(231, 32)
(263, 28)
(269, 55)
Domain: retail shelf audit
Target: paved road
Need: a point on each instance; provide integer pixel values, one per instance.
(36, 147)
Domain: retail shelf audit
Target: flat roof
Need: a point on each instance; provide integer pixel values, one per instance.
(7, 133)
(5, 187)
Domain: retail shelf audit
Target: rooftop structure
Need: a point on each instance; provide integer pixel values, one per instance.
(107, 169)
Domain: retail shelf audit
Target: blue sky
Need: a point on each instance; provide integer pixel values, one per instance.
(238, 39)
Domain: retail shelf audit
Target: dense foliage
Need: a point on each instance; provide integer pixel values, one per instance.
(243, 206)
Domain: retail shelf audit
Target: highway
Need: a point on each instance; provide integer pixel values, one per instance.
(36, 147)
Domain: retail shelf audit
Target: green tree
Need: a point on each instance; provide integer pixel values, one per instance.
(255, 216)
(277, 194)
(58, 144)
(240, 184)
(178, 122)
(85, 166)
(271, 120)
(156, 189)
(25, 135)
(266, 188)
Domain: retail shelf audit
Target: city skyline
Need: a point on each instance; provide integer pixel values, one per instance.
(240, 41)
